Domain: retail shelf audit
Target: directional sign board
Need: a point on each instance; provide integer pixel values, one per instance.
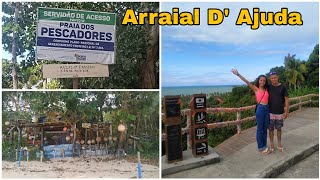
(200, 133)
(172, 107)
(201, 148)
(199, 102)
(199, 125)
(200, 118)
(76, 36)
(74, 70)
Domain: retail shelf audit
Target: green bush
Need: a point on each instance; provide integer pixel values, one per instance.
(149, 149)
(303, 91)
(9, 151)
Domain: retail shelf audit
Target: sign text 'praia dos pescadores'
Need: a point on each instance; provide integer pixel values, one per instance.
(76, 36)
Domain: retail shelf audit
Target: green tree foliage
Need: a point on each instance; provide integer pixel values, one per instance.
(6, 74)
(137, 52)
(294, 71)
(313, 68)
(29, 78)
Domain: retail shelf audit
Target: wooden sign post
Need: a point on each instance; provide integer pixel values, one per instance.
(172, 121)
(75, 83)
(199, 127)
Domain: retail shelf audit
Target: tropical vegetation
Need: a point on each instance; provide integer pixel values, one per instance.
(137, 52)
(139, 111)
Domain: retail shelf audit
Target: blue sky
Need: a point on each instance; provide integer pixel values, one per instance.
(6, 54)
(204, 55)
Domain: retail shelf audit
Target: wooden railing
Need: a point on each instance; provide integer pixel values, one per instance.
(238, 121)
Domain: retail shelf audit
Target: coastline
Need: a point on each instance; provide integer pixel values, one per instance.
(189, 90)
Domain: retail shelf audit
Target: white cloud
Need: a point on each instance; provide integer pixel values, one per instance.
(213, 76)
(229, 33)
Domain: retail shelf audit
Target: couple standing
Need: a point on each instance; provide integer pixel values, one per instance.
(271, 100)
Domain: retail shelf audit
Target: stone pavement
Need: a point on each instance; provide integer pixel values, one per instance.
(240, 158)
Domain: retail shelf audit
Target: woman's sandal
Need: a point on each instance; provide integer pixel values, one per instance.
(265, 151)
(271, 149)
(281, 149)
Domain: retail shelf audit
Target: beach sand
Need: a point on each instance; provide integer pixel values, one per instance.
(85, 167)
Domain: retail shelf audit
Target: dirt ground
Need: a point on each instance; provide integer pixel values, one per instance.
(85, 167)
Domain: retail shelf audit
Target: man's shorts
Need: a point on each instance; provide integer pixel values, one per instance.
(276, 121)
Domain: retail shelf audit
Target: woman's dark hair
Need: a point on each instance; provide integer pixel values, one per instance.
(256, 83)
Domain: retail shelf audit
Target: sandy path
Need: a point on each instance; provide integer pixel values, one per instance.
(91, 167)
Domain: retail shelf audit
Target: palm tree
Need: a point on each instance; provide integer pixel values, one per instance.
(294, 70)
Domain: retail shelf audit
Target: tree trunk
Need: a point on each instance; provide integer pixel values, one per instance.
(145, 124)
(16, 101)
(14, 47)
(148, 69)
(100, 113)
(137, 125)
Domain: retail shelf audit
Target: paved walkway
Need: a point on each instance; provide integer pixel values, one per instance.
(307, 168)
(241, 159)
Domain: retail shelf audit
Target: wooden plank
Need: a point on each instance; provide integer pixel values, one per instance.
(56, 132)
(74, 70)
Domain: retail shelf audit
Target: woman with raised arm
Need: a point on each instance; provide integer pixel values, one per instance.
(260, 89)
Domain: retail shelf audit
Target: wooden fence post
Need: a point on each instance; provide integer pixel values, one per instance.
(300, 101)
(239, 124)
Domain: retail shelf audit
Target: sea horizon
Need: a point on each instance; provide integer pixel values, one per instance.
(189, 90)
(199, 86)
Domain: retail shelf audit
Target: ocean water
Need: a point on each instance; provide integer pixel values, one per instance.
(188, 90)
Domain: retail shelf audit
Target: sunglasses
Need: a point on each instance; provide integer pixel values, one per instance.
(273, 73)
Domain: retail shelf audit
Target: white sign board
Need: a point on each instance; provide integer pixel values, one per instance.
(86, 125)
(76, 36)
(74, 70)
